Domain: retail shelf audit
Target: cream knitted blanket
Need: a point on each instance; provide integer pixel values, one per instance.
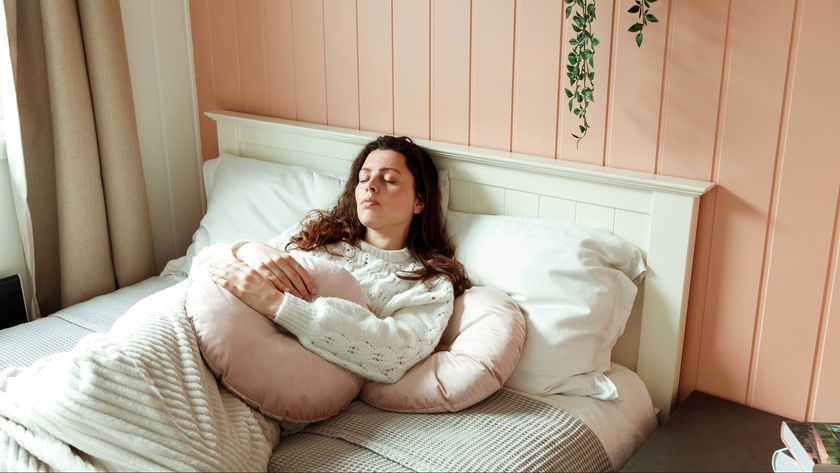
(137, 398)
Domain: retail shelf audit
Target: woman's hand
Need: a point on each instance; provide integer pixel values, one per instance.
(279, 267)
(248, 285)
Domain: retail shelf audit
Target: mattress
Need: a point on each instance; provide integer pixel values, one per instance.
(22, 344)
(622, 425)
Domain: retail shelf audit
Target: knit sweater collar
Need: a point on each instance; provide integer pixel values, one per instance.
(394, 256)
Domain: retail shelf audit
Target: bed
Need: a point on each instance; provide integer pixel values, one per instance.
(657, 214)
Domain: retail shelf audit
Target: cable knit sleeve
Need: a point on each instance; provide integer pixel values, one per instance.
(380, 349)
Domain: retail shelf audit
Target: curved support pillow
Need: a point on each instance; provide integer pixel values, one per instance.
(476, 355)
(267, 368)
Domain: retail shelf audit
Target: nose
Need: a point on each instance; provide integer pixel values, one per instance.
(370, 187)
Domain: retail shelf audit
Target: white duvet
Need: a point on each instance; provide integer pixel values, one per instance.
(136, 398)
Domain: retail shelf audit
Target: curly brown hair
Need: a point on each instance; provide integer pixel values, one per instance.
(426, 239)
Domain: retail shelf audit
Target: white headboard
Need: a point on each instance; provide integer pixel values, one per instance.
(656, 213)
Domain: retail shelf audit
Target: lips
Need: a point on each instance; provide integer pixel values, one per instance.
(368, 203)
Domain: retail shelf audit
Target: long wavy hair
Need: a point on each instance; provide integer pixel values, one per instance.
(426, 239)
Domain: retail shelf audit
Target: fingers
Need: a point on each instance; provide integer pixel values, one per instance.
(298, 277)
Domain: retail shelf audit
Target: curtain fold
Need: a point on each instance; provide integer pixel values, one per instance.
(85, 188)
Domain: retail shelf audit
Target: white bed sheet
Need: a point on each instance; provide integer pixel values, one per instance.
(622, 425)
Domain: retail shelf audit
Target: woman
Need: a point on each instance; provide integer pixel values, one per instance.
(387, 230)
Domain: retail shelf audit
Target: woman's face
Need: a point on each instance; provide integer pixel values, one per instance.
(385, 196)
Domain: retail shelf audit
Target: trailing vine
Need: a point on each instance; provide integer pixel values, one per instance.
(581, 58)
(642, 7)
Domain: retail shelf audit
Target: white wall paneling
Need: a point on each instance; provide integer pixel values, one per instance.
(160, 60)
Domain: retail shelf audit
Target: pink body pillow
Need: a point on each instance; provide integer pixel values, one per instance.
(476, 355)
(266, 368)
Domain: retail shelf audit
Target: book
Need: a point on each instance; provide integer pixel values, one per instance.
(814, 445)
(784, 461)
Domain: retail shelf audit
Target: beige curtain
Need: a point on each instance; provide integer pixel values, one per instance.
(85, 189)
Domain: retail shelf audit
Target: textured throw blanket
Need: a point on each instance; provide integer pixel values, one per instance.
(137, 398)
(506, 432)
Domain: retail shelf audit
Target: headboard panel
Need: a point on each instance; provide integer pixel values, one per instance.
(656, 213)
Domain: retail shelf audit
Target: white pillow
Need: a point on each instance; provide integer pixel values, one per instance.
(250, 199)
(576, 285)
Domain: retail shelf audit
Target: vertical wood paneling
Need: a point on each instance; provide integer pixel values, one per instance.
(280, 55)
(535, 77)
(801, 242)
(450, 88)
(250, 42)
(760, 40)
(376, 92)
(411, 68)
(140, 50)
(590, 149)
(342, 63)
(310, 70)
(492, 73)
(224, 53)
(157, 49)
(635, 100)
(202, 39)
(825, 387)
(694, 66)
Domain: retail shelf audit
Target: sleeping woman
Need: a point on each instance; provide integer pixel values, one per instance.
(387, 230)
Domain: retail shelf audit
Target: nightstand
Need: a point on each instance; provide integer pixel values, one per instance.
(707, 433)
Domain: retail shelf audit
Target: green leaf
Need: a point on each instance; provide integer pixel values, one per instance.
(576, 111)
(586, 53)
(579, 2)
(573, 58)
(639, 39)
(587, 92)
(590, 9)
(568, 93)
(591, 76)
(575, 136)
(636, 27)
(651, 18)
(575, 29)
(591, 61)
(595, 41)
(568, 11)
(582, 129)
(634, 9)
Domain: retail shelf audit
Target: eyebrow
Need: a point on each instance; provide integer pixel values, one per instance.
(381, 169)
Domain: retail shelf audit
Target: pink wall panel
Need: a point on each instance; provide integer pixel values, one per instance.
(204, 77)
(535, 76)
(636, 94)
(376, 76)
(310, 70)
(695, 62)
(411, 67)
(825, 387)
(800, 241)
(450, 71)
(342, 63)
(591, 149)
(250, 43)
(492, 73)
(722, 90)
(224, 54)
(280, 54)
(760, 37)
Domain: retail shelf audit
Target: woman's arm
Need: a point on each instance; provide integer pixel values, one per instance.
(353, 337)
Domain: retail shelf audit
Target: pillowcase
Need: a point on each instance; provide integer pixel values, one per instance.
(576, 285)
(250, 199)
(476, 355)
(266, 368)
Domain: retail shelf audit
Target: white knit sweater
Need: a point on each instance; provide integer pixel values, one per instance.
(405, 326)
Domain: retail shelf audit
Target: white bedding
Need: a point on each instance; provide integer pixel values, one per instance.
(622, 425)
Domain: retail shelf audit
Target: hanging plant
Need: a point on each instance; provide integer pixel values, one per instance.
(581, 58)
